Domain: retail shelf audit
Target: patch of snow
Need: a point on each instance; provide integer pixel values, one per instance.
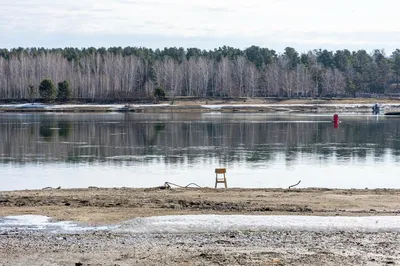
(223, 223)
(150, 105)
(24, 105)
(71, 106)
(215, 106)
(208, 224)
(41, 223)
(33, 220)
(361, 105)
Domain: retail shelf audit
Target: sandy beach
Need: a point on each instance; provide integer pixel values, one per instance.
(108, 206)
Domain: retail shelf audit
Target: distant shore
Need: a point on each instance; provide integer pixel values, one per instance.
(266, 105)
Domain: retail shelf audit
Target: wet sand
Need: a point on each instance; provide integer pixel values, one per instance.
(229, 248)
(99, 206)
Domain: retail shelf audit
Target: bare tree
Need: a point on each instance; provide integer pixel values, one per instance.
(252, 76)
(239, 68)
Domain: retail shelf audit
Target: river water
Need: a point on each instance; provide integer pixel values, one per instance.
(258, 150)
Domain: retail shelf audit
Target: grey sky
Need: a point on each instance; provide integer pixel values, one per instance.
(276, 24)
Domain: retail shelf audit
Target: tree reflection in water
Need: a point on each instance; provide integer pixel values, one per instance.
(186, 138)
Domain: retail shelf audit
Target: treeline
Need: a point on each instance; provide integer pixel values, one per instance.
(133, 73)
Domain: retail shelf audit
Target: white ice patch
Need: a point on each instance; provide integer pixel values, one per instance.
(288, 105)
(150, 105)
(72, 106)
(24, 105)
(213, 106)
(224, 223)
(206, 224)
(41, 223)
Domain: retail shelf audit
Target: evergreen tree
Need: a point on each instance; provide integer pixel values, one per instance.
(64, 92)
(396, 66)
(292, 56)
(159, 94)
(47, 90)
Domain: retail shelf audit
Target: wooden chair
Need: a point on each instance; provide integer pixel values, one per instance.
(221, 171)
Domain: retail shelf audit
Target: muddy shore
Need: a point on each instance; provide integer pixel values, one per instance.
(229, 248)
(101, 206)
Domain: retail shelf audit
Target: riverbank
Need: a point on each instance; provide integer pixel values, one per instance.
(110, 206)
(221, 105)
(98, 206)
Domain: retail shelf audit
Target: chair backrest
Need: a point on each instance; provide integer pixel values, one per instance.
(220, 170)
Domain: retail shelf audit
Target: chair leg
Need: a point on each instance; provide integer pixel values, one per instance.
(220, 181)
(226, 185)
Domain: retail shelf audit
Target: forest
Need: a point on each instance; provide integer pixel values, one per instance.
(116, 73)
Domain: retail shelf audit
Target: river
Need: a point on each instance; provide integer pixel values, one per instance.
(258, 150)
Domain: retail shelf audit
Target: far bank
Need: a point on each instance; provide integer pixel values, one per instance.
(267, 105)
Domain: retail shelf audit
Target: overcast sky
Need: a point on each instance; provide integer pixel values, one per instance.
(207, 24)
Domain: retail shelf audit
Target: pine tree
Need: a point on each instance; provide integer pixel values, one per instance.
(47, 90)
(64, 92)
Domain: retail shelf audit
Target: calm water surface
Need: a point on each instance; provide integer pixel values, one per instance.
(146, 150)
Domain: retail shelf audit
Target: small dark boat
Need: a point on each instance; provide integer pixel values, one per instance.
(392, 113)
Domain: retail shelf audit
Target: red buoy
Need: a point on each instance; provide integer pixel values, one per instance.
(335, 121)
(335, 118)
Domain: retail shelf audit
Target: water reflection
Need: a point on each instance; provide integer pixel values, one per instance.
(149, 149)
(181, 138)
